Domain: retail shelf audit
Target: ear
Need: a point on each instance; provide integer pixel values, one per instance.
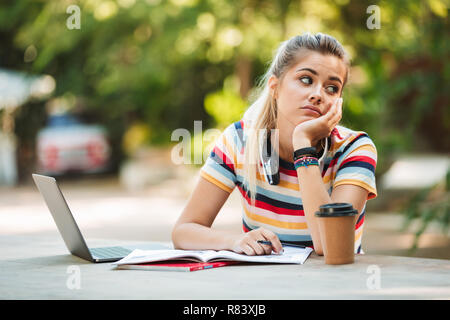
(273, 86)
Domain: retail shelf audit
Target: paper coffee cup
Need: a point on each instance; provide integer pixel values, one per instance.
(337, 232)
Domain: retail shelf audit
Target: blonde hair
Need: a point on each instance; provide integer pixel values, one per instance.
(263, 112)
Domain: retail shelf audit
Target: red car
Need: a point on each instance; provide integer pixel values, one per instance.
(66, 145)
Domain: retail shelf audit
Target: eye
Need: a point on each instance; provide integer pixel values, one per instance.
(332, 89)
(306, 80)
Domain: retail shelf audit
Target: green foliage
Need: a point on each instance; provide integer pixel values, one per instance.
(225, 107)
(428, 205)
(164, 63)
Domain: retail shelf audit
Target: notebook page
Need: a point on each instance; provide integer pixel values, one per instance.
(290, 255)
(142, 256)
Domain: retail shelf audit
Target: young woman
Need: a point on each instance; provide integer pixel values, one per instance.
(299, 107)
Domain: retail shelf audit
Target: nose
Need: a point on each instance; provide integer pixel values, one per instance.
(315, 96)
(316, 99)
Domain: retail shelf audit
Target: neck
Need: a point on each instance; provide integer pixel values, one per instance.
(286, 149)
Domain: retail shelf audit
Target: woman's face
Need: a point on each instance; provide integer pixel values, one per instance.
(313, 83)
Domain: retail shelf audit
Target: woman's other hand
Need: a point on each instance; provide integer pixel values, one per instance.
(308, 133)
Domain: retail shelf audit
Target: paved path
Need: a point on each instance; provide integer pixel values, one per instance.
(105, 210)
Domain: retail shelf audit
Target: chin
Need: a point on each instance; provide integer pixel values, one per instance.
(305, 117)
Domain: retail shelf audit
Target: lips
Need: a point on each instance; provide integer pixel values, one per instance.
(310, 107)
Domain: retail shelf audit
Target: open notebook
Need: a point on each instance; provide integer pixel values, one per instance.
(290, 255)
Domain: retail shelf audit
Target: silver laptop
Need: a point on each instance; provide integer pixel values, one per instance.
(68, 228)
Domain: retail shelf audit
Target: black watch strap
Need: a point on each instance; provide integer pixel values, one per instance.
(310, 151)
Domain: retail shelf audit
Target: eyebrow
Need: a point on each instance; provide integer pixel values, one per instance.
(315, 73)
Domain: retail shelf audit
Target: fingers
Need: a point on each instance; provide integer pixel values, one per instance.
(257, 248)
(334, 115)
(252, 247)
(339, 110)
(272, 237)
(267, 248)
(248, 250)
(336, 107)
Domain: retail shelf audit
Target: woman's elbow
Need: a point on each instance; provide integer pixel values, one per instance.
(175, 237)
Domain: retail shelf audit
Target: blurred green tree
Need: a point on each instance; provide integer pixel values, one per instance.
(163, 63)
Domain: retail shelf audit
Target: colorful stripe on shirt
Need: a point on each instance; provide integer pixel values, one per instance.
(351, 159)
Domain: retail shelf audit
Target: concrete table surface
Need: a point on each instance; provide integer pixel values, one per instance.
(40, 268)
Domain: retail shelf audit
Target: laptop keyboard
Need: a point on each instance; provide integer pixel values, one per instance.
(109, 252)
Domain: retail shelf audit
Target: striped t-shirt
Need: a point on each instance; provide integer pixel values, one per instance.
(349, 159)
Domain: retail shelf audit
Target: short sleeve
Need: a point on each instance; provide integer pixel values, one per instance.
(357, 165)
(220, 167)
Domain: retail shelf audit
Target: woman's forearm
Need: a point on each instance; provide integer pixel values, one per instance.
(194, 236)
(313, 194)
